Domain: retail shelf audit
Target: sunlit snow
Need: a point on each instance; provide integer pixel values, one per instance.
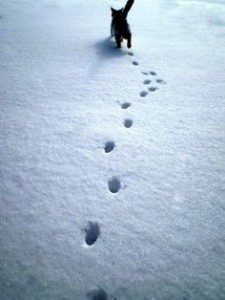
(112, 161)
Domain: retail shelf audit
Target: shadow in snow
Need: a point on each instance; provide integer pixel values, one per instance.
(114, 185)
(107, 49)
(128, 123)
(98, 294)
(109, 146)
(92, 231)
(125, 105)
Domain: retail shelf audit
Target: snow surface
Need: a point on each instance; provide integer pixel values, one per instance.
(110, 189)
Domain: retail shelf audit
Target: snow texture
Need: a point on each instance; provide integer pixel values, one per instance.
(112, 161)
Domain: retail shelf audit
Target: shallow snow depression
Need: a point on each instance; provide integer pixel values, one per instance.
(112, 161)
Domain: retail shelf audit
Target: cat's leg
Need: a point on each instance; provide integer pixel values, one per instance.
(118, 40)
(129, 41)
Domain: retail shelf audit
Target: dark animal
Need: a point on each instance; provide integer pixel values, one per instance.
(120, 29)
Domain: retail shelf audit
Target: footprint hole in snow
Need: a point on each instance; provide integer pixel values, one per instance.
(143, 94)
(128, 123)
(160, 81)
(135, 63)
(147, 81)
(125, 105)
(114, 185)
(152, 73)
(153, 89)
(130, 53)
(98, 294)
(92, 231)
(109, 146)
(144, 73)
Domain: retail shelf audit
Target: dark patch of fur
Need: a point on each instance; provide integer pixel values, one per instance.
(120, 28)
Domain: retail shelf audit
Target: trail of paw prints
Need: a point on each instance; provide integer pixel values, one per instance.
(154, 77)
(134, 62)
(152, 83)
(128, 123)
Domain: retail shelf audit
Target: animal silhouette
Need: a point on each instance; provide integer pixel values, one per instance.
(120, 28)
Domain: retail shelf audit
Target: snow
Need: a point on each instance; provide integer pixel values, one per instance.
(112, 173)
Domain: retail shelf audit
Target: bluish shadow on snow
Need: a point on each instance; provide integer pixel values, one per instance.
(107, 49)
(98, 294)
(92, 233)
(114, 185)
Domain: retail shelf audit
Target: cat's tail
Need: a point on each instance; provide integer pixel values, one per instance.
(127, 7)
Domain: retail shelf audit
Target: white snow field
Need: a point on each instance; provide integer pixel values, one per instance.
(112, 161)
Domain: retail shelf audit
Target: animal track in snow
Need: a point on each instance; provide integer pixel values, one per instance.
(152, 89)
(135, 63)
(147, 81)
(114, 185)
(128, 123)
(160, 81)
(143, 93)
(92, 231)
(153, 73)
(145, 73)
(109, 146)
(130, 53)
(98, 294)
(125, 105)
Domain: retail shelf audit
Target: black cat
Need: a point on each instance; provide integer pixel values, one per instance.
(120, 29)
